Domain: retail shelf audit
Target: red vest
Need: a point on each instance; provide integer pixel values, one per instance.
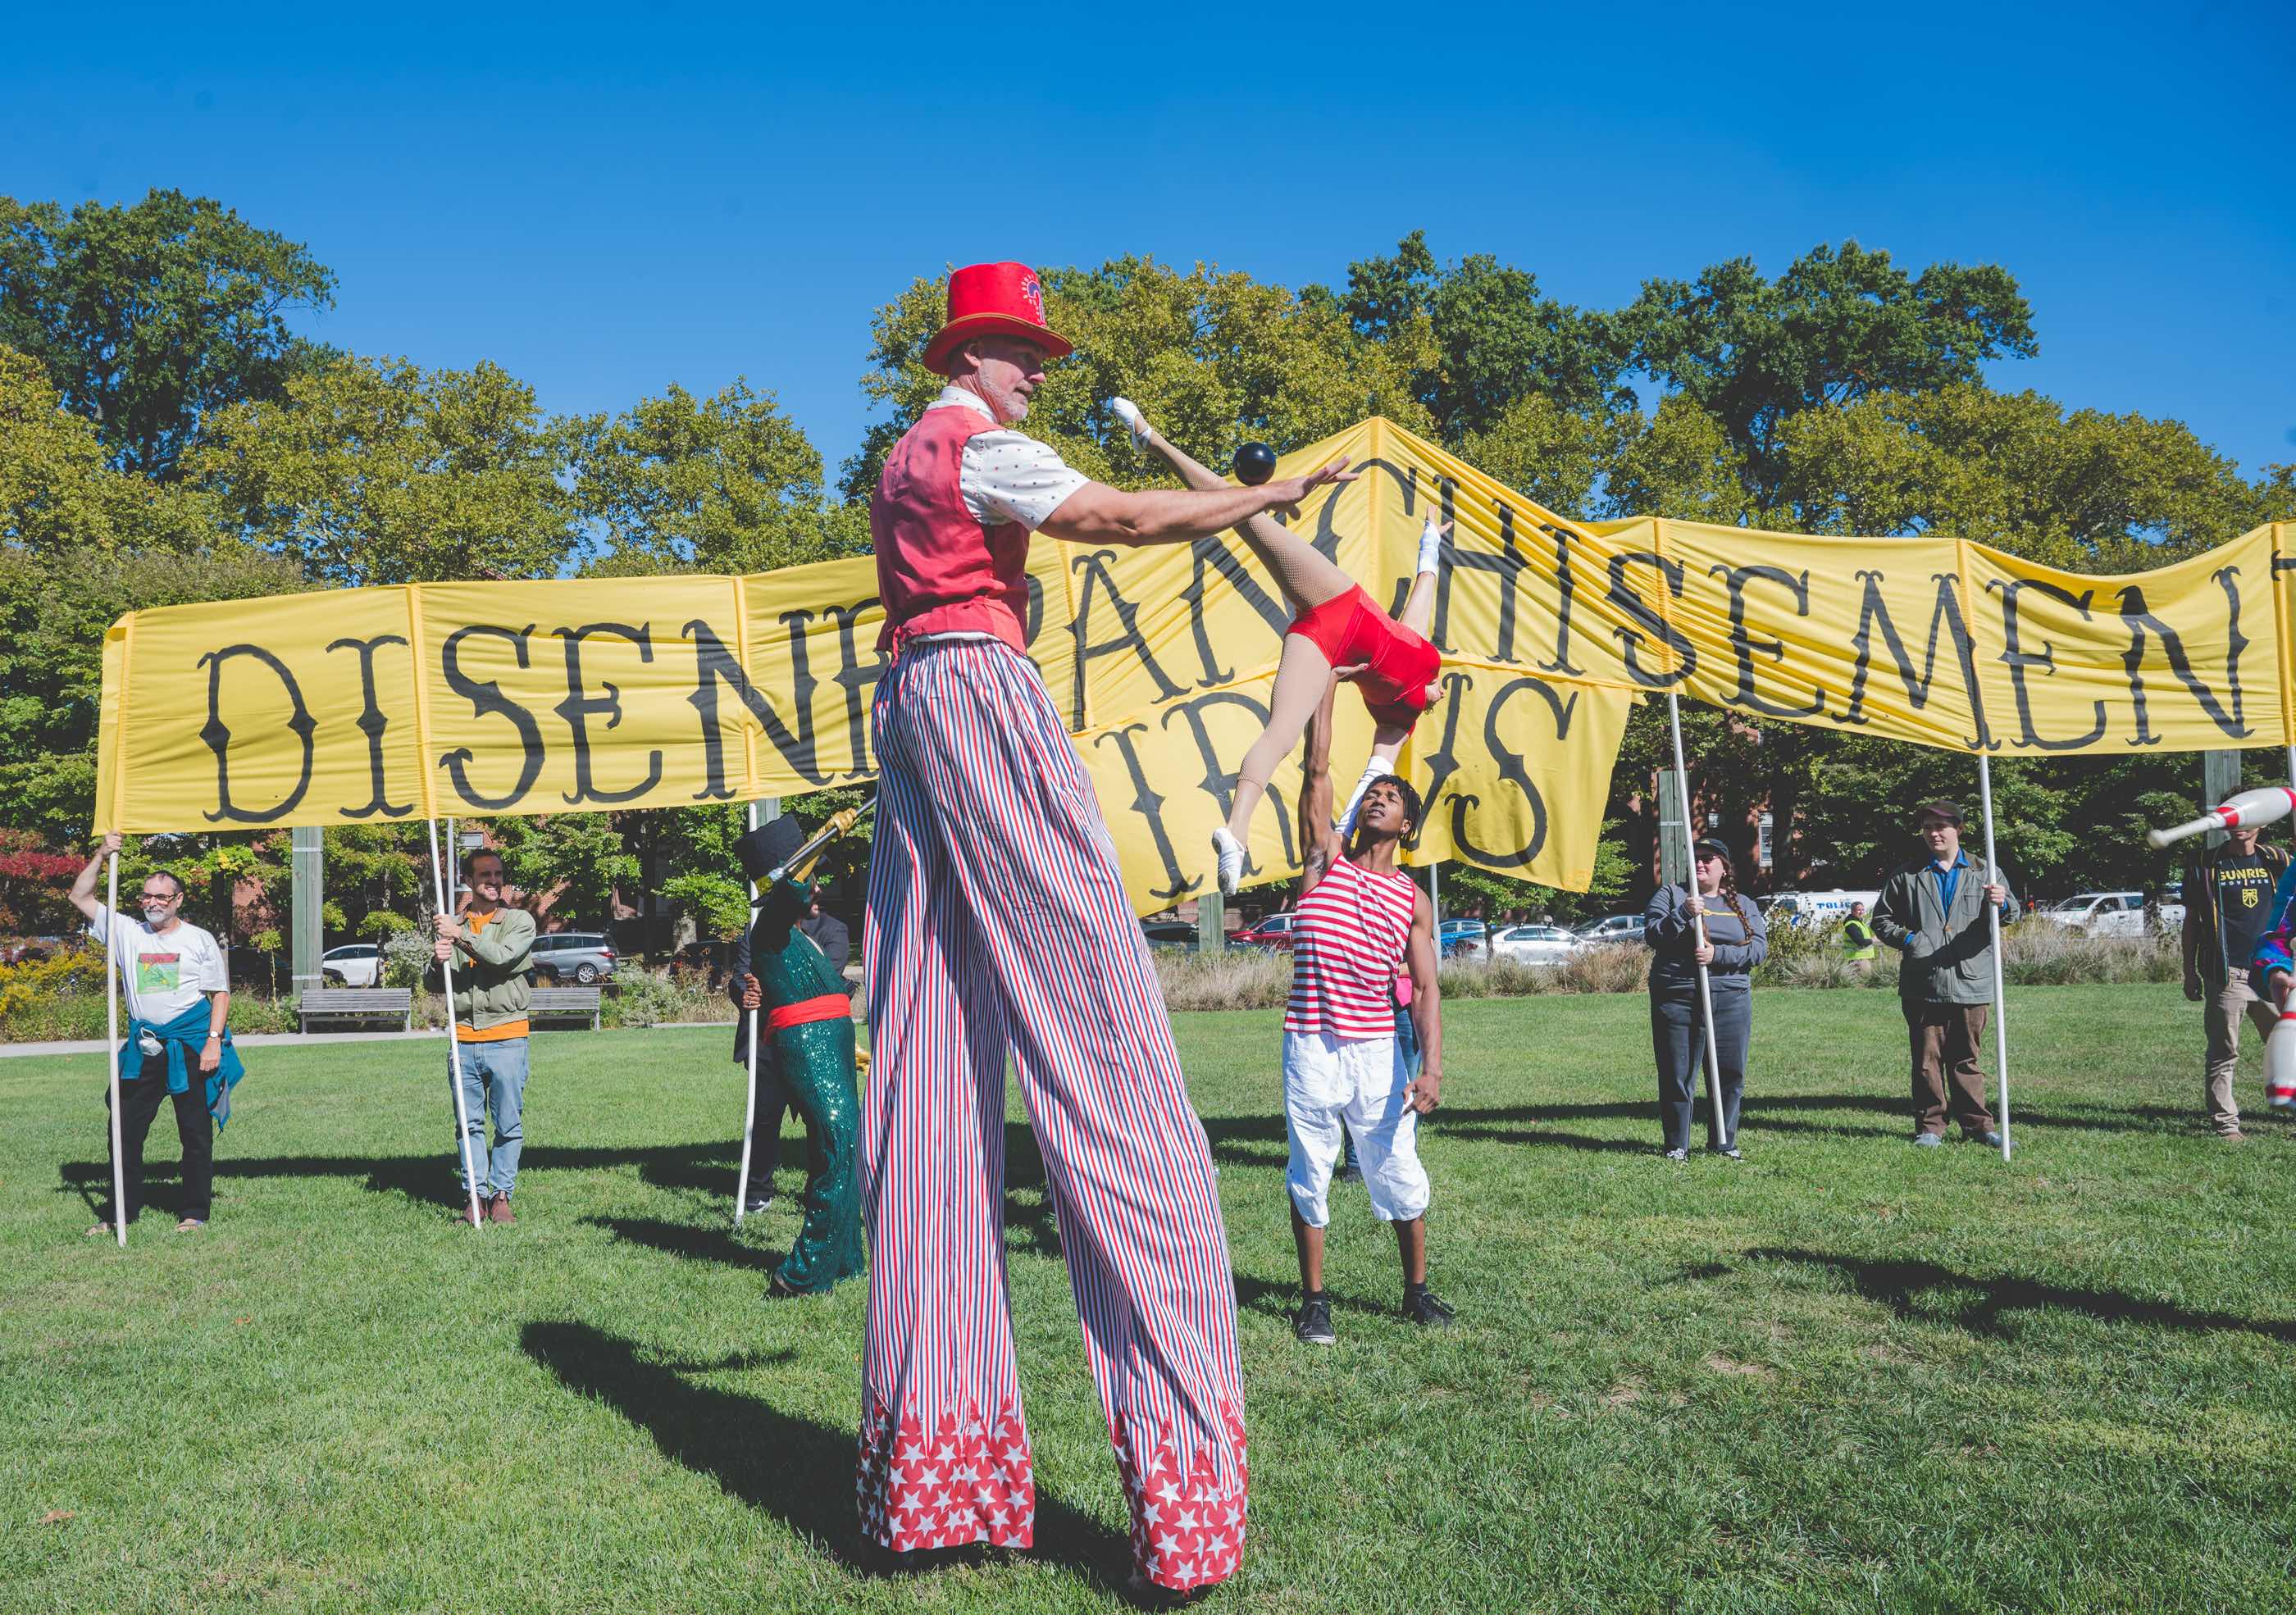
(939, 570)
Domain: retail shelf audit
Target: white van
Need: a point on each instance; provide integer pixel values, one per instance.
(1814, 907)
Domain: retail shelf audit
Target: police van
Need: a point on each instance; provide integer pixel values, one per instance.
(1814, 907)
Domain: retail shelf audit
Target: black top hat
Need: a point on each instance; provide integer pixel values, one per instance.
(769, 846)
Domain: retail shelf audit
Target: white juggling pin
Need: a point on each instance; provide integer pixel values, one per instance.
(2249, 808)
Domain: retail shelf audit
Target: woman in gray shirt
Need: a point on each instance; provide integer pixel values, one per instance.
(1736, 941)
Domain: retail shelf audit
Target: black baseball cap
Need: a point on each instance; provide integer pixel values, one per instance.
(1707, 847)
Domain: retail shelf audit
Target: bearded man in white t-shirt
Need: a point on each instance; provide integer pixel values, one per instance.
(176, 1045)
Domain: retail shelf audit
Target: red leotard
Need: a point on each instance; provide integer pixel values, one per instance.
(1350, 629)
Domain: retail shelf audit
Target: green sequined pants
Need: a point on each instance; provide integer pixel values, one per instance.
(816, 1069)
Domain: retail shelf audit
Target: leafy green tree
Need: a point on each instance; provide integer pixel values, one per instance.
(1497, 339)
(1678, 462)
(2079, 490)
(1836, 326)
(724, 484)
(150, 317)
(56, 490)
(377, 471)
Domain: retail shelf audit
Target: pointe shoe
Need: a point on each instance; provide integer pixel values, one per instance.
(1128, 412)
(1230, 854)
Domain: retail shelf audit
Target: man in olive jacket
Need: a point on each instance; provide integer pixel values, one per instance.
(493, 946)
(1933, 910)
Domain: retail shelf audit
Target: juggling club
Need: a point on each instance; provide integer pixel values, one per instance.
(2280, 1062)
(2249, 808)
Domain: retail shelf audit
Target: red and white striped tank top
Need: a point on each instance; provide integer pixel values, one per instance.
(1350, 935)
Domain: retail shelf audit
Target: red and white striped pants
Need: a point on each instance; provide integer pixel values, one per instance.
(997, 921)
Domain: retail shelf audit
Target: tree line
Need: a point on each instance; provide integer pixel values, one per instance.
(168, 433)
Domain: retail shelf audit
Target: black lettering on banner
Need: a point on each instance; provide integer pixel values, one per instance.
(1094, 568)
(853, 677)
(1218, 783)
(1214, 553)
(1624, 597)
(714, 664)
(1511, 770)
(2017, 659)
(1443, 762)
(1742, 643)
(1872, 613)
(372, 723)
(581, 707)
(1033, 586)
(1566, 583)
(1506, 563)
(217, 734)
(2134, 616)
(486, 696)
(1149, 806)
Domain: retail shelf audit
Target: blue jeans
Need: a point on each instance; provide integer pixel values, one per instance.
(494, 1083)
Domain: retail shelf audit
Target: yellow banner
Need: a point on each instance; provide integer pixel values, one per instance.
(368, 705)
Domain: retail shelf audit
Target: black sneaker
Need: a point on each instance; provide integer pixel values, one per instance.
(1348, 1174)
(1427, 1309)
(759, 1204)
(1312, 1324)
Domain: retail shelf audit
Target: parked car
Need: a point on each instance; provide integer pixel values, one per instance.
(1449, 929)
(1178, 936)
(353, 964)
(575, 955)
(1611, 928)
(1534, 943)
(1273, 933)
(2110, 913)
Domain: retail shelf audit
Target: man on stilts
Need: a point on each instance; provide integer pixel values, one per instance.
(997, 925)
(808, 1038)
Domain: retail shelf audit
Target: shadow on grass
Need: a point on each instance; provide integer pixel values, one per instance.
(708, 1168)
(1260, 1141)
(1918, 1291)
(688, 1240)
(797, 1469)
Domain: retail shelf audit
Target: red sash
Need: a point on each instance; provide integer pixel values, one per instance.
(828, 1006)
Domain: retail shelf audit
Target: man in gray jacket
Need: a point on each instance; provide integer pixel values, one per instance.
(1933, 910)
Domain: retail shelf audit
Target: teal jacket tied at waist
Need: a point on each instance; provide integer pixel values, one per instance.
(188, 1030)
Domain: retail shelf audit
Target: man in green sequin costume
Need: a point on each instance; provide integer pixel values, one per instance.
(806, 1022)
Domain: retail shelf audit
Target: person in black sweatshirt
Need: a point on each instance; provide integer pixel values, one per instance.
(1736, 941)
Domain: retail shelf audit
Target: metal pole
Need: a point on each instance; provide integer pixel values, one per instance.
(1435, 895)
(1993, 928)
(1705, 988)
(750, 1094)
(454, 1044)
(112, 1028)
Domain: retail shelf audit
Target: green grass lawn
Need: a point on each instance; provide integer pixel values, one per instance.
(1844, 1374)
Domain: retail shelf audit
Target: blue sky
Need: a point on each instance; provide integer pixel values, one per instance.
(607, 201)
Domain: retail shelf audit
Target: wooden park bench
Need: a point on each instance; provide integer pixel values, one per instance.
(358, 1004)
(565, 1004)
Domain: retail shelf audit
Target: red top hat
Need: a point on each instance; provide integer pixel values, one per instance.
(994, 299)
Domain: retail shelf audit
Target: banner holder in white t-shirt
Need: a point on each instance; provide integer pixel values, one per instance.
(453, 1043)
(112, 1040)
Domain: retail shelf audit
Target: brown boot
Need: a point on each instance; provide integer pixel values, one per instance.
(462, 1209)
(498, 1209)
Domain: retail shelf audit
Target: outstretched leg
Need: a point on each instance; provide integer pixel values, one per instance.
(1302, 679)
